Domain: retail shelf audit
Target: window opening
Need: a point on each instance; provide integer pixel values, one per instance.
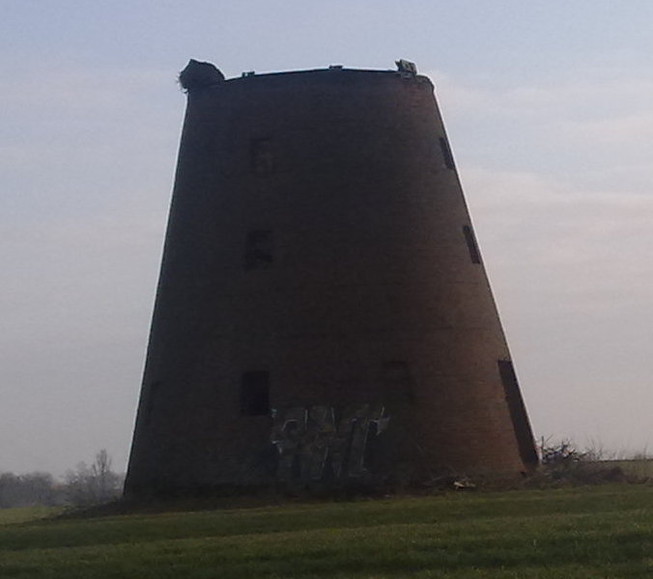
(446, 153)
(472, 246)
(255, 394)
(522, 427)
(259, 249)
(261, 156)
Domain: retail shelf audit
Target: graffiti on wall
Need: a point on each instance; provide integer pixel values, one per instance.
(319, 440)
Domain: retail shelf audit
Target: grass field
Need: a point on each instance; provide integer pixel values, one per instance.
(638, 468)
(26, 514)
(603, 531)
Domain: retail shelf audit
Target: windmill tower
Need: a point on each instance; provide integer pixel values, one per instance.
(323, 314)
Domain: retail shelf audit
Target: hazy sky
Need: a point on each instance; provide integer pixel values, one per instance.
(549, 108)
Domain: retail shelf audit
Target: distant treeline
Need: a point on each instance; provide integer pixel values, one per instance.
(85, 485)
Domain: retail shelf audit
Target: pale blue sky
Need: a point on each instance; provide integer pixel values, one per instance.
(549, 106)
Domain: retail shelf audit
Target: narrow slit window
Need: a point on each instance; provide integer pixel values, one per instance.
(472, 246)
(446, 153)
(259, 249)
(255, 394)
(262, 156)
(518, 416)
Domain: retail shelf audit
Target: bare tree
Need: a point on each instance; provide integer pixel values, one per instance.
(35, 488)
(94, 484)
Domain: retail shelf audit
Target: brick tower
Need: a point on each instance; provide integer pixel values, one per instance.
(323, 315)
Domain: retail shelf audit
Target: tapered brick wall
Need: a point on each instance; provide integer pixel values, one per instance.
(323, 314)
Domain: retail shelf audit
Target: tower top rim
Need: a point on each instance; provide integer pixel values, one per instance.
(205, 74)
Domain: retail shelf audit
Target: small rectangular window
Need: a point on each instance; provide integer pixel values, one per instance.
(261, 156)
(259, 249)
(472, 246)
(446, 153)
(255, 394)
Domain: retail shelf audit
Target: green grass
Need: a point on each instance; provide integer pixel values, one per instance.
(24, 514)
(584, 532)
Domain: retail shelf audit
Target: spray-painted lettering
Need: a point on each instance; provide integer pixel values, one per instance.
(318, 441)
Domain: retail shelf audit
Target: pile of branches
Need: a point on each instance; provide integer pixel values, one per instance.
(563, 463)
